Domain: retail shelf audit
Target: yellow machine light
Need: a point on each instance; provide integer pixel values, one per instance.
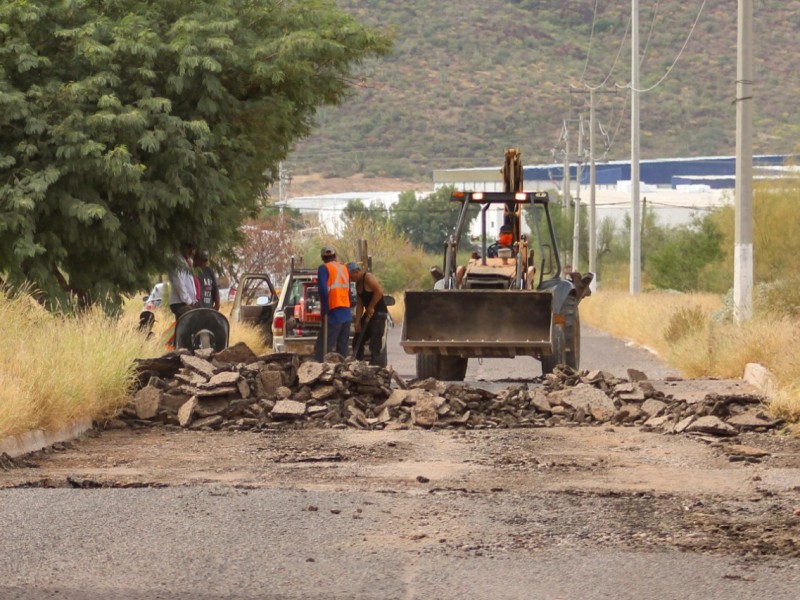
(477, 196)
(520, 196)
(458, 194)
(559, 320)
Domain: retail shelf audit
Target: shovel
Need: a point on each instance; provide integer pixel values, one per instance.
(358, 341)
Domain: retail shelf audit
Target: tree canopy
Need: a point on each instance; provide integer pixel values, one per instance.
(428, 221)
(127, 126)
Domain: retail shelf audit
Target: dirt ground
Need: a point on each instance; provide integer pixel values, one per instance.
(315, 185)
(602, 486)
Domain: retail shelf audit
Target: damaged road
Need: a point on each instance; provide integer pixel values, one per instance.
(578, 507)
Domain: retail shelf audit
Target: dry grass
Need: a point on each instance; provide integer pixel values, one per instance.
(688, 333)
(56, 370)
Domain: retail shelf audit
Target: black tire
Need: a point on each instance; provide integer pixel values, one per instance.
(427, 366)
(572, 332)
(452, 368)
(558, 357)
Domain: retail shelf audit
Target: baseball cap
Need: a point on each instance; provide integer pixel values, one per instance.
(328, 251)
(353, 267)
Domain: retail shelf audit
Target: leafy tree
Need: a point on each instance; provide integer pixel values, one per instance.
(293, 216)
(127, 126)
(679, 262)
(356, 209)
(427, 222)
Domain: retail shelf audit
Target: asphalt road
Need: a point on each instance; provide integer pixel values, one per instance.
(204, 541)
(598, 351)
(202, 544)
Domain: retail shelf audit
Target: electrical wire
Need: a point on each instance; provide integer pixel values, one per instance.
(650, 33)
(591, 39)
(677, 58)
(616, 60)
(619, 122)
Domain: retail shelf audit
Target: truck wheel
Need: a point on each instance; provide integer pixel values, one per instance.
(572, 332)
(427, 366)
(558, 357)
(452, 368)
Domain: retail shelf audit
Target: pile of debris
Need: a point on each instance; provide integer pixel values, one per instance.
(237, 390)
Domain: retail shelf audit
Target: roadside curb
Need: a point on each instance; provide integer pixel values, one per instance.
(760, 377)
(31, 441)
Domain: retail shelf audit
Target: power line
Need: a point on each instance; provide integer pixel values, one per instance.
(616, 59)
(650, 33)
(677, 58)
(591, 39)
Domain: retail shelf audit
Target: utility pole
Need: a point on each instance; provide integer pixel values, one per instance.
(592, 184)
(636, 256)
(592, 177)
(566, 197)
(576, 230)
(743, 233)
(280, 181)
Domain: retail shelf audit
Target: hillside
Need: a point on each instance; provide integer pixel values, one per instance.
(468, 78)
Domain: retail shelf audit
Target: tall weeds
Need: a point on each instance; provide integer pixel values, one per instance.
(56, 369)
(694, 334)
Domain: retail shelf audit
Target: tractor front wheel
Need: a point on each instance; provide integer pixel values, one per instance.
(558, 357)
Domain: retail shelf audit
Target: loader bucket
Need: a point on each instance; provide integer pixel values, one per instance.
(478, 323)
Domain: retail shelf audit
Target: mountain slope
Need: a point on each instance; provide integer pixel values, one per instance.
(472, 77)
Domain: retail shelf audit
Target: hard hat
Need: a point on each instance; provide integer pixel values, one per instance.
(327, 251)
(353, 267)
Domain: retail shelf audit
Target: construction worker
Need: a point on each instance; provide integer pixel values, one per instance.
(371, 315)
(183, 295)
(209, 289)
(334, 294)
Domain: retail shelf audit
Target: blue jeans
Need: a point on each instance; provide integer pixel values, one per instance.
(338, 340)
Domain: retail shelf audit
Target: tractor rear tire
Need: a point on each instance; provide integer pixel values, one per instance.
(452, 368)
(427, 366)
(572, 332)
(558, 357)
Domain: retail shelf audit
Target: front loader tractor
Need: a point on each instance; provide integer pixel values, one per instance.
(508, 300)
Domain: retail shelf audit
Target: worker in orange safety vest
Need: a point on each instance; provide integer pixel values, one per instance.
(334, 294)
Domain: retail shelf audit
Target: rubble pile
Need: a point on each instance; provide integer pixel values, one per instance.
(237, 390)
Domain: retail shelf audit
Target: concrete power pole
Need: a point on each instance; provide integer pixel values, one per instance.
(636, 242)
(592, 197)
(743, 251)
(280, 181)
(566, 196)
(592, 178)
(576, 230)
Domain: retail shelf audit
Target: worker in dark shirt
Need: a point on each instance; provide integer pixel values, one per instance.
(209, 290)
(371, 315)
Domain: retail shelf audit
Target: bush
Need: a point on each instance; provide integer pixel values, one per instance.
(685, 322)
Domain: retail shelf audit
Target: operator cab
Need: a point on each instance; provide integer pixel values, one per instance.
(508, 262)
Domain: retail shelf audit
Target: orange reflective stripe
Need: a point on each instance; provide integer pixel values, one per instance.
(338, 285)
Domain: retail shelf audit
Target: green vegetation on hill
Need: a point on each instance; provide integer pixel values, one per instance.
(468, 78)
